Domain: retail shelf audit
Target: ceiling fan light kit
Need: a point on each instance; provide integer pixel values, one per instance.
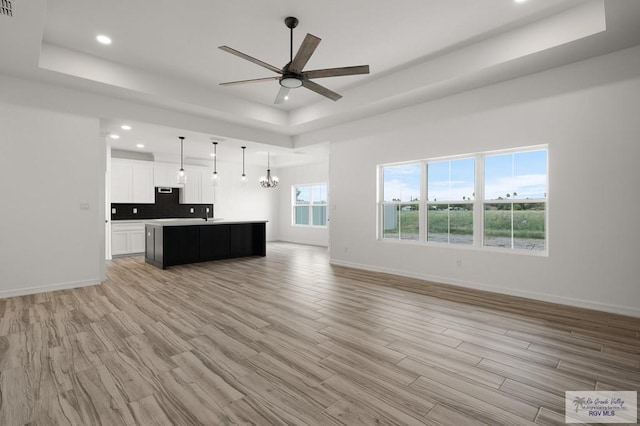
(292, 74)
(290, 81)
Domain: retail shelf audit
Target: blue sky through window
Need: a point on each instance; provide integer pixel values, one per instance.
(402, 182)
(522, 175)
(451, 180)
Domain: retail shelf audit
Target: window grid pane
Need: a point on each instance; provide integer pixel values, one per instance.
(401, 183)
(401, 221)
(303, 194)
(301, 215)
(319, 215)
(450, 223)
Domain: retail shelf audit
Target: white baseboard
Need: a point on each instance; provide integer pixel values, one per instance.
(46, 288)
(305, 242)
(569, 301)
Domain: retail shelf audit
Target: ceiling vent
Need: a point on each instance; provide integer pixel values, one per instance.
(6, 8)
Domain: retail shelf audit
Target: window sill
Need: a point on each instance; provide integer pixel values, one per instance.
(518, 252)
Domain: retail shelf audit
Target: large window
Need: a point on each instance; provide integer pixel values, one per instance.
(310, 205)
(401, 201)
(483, 200)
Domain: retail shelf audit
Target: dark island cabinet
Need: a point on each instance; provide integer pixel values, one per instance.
(178, 245)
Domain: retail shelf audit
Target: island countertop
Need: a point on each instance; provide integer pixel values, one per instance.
(197, 221)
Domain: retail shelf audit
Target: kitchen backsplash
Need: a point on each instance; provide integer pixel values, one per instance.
(165, 206)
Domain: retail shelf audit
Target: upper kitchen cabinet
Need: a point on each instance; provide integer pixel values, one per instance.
(198, 189)
(132, 181)
(166, 175)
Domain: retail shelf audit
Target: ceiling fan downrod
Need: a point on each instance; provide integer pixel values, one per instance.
(291, 23)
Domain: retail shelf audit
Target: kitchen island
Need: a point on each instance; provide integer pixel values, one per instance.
(181, 241)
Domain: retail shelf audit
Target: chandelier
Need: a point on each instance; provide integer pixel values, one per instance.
(268, 181)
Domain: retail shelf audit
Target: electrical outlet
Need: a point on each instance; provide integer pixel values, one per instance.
(135, 210)
(84, 206)
(113, 210)
(459, 263)
(191, 209)
(207, 209)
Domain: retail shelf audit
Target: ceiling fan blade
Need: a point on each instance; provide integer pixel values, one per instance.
(250, 59)
(282, 93)
(253, 80)
(308, 46)
(321, 90)
(335, 72)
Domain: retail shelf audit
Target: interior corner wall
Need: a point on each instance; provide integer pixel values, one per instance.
(300, 175)
(52, 166)
(586, 112)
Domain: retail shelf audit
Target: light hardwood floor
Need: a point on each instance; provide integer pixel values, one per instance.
(288, 339)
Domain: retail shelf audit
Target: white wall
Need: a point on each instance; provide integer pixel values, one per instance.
(50, 164)
(586, 112)
(300, 175)
(252, 202)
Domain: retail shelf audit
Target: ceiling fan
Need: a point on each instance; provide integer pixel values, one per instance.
(292, 75)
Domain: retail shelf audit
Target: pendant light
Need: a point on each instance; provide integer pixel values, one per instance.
(215, 177)
(268, 181)
(243, 178)
(182, 176)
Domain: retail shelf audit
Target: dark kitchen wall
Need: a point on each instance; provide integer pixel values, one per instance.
(166, 206)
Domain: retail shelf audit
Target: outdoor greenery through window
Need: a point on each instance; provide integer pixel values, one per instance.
(450, 191)
(515, 192)
(484, 199)
(401, 198)
(310, 205)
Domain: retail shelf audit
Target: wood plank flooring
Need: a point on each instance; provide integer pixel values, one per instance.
(290, 340)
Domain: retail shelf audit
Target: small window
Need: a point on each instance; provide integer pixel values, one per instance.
(310, 205)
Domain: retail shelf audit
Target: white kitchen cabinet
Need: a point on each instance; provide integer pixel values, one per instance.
(127, 238)
(121, 181)
(198, 189)
(119, 243)
(207, 189)
(166, 175)
(192, 192)
(131, 181)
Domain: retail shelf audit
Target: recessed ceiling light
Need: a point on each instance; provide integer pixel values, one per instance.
(520, 1)
(140, 145)
(103, 39)
(125, 127)
(114, 136)
(212, 154)
(286, 98)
